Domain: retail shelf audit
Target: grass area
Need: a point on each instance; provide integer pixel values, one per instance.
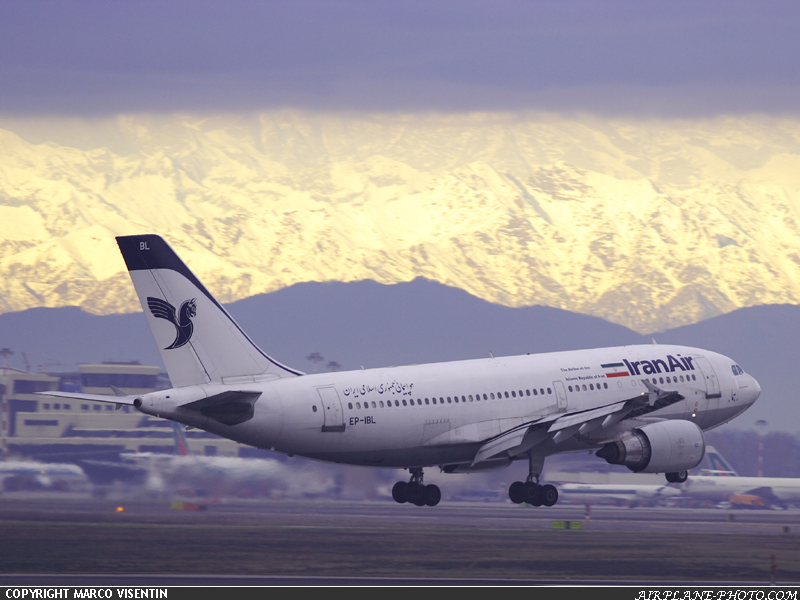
(395, 550)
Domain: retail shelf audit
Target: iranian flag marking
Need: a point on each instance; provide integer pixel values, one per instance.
(616, 370)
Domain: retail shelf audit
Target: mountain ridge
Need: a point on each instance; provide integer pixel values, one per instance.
(648, 224)
(376, 326)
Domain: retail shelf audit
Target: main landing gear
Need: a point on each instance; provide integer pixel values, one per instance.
(531, 492)
(415, 492)
(677, 477)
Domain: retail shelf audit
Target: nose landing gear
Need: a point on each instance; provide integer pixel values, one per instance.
(415, 492)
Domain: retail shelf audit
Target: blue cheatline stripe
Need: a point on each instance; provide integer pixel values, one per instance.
(609, 365)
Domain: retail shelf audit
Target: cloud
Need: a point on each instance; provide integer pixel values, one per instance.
(617, 56)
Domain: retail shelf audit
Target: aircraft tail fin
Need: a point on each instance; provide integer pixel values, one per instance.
(198, 340)
(181, 444)
(718, 465)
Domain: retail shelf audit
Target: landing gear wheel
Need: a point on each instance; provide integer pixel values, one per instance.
(677, 477)
(516, 493)
(399, 492)
(422, 496)
(549, 495)
(414, 493)
(432, 495)
(531, 493)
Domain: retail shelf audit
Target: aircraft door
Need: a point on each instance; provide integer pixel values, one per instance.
(561, 395)
(712, 382)
(713, 393)
(332, 409)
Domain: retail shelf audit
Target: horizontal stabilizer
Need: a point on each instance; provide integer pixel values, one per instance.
(122, 400)
(229, 408)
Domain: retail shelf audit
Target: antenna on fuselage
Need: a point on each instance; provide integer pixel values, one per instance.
(491, 353)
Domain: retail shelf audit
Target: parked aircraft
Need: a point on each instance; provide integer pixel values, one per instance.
(185, 473)
(631, 495)
(644, 407)
(18, 475)
(721, 482)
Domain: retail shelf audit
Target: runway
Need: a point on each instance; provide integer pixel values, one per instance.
(324, 542)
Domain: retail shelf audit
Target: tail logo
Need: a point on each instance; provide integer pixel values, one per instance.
(162, 309)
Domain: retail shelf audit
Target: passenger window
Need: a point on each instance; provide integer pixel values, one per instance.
(470, 397)
(350, 405)
(549, 391)
(513, 394)
(605, 385)
(380, 404)
(570, 389)
(484, 397)
(426, 401)
(491, 395)
(506, 394)
(373, 405)
(591, 386)
(527, 392)
(535, 393)
(397, 403)
(404, 403)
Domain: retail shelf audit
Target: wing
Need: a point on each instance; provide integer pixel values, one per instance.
(513, 441)
(162, 309)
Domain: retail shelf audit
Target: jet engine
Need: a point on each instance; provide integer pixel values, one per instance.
(663, 447)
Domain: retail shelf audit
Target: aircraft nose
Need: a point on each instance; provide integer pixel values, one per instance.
(753, 390)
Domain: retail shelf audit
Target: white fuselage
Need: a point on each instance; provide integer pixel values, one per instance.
(441, 413)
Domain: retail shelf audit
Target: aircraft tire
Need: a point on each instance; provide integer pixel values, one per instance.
(423, 496)
(681, 476)
(515, 492)
(549, 495)
(414, 493)
(532, 493)
(432, 495)
(399, 492)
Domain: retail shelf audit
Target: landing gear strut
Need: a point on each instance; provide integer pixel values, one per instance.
(531, 492)
(415, 492)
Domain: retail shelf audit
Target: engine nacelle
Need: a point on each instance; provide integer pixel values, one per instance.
(664, 447)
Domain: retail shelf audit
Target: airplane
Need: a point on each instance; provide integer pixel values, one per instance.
(221, 475)
(644, 407)
(632, 495)
(18, 475)
(721, 482)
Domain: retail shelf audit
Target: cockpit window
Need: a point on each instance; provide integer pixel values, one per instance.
(737, 370)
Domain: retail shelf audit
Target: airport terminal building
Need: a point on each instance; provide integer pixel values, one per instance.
(65, 430)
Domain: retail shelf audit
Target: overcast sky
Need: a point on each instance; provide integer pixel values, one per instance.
(647, 57)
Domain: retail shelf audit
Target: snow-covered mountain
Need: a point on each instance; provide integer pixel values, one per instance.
(648, 224)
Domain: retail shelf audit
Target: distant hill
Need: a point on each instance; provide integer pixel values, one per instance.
(371, 324)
